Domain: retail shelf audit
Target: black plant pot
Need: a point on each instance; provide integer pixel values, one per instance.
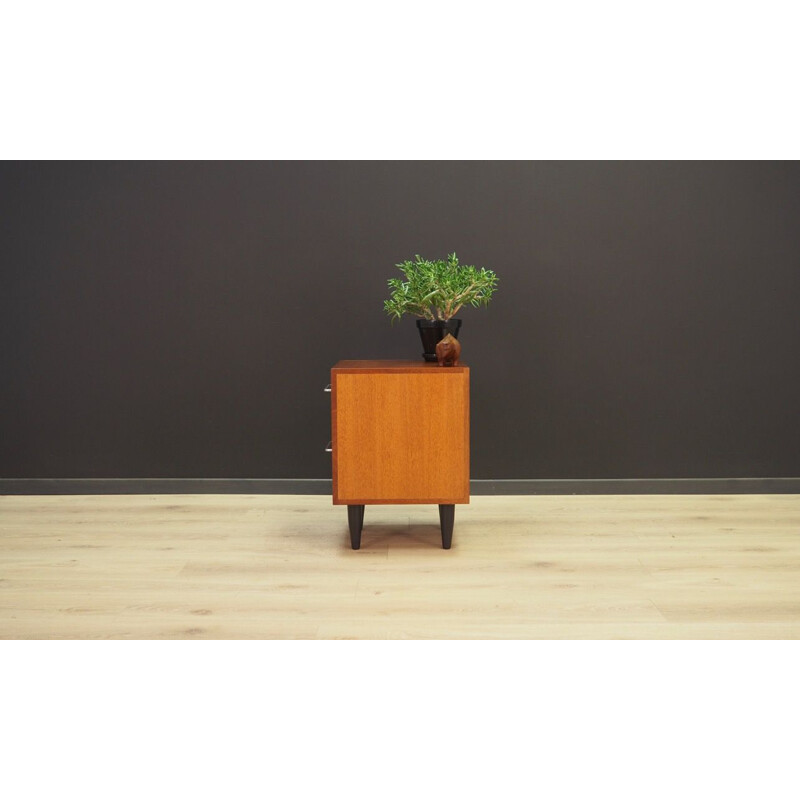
(432, 331)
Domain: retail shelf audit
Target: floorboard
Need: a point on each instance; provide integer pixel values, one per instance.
(281, 567)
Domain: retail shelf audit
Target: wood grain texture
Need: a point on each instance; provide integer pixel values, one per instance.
(281, 567)
(400, 437)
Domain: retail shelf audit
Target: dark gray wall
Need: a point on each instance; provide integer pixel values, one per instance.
(179, 319)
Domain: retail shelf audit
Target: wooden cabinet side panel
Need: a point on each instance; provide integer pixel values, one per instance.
(401, 438)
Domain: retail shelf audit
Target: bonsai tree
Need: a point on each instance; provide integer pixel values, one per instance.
(438, 289)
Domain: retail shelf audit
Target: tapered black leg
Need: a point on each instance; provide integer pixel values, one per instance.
(355, 519)
(447, 516)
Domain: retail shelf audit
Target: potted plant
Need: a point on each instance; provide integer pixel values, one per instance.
(435, 291)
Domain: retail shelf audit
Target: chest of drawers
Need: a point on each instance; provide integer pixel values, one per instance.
(400, 434)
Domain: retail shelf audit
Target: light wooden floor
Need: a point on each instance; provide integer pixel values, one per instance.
(280, 567)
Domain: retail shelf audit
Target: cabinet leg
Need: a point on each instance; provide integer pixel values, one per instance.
(355, 519)
(447, 516)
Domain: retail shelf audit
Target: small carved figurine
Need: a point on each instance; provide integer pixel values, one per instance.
(448, 351)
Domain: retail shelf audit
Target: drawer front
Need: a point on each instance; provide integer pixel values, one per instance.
(400, 437)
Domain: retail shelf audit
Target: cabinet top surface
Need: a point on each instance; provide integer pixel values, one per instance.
(399, 366)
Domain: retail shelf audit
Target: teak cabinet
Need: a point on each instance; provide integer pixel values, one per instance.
(400, 434)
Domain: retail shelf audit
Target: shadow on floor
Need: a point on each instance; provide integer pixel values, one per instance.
(397, 537)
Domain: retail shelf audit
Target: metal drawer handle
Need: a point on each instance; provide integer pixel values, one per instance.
(329, 448)
(327, 388)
